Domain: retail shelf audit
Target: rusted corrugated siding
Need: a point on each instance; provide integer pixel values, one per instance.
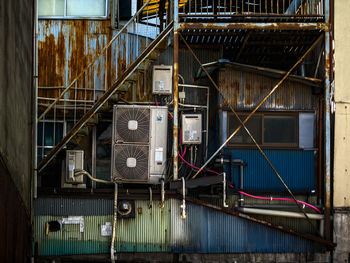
(66, 47)
(244, 90)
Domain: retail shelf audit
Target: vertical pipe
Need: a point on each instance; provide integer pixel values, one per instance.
(35, 113)
(319, 159)
(327, 124)
(207, 126)
(176, 91)
(115, 208)
(93, 159)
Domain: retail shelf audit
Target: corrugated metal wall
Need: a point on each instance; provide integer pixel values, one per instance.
(147, 232)
(158, 230)
(210, 231)
(66, 47)
(244, 90)
(296, 167)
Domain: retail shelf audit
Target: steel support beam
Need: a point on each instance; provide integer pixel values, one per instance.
(327, 123)
(259, 26)
(176, 92)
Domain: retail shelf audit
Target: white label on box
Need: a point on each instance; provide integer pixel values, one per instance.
(159, 155)
(192, 135)
(106, 229)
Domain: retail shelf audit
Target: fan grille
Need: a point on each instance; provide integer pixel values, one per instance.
(123, 171)
(139, 117)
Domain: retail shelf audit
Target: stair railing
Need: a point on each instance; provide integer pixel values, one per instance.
(76, 104)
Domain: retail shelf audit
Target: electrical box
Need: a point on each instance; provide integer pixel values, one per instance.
(162, 80)
(191, 128)
(139, 144)
(74, 161)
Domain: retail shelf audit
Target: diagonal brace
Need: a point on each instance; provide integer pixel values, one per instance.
(243, 123)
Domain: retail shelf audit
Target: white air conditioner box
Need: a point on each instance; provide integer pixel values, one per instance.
(162, 80)
(139, 144)
(192, 128)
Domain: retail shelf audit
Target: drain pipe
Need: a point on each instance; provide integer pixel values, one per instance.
(113, 258)
(268, 212)
(183, 206)
(224, 190)
(162, 193)
(78, 172)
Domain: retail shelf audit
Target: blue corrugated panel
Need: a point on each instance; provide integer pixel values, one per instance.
(209, 231)
(296, 167)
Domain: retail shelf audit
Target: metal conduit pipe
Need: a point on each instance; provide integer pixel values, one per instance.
(82, 172)
(115, 209)
(115, 206)
(268, 212)
(162, 193)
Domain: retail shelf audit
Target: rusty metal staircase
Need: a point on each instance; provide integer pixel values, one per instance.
(147, 47)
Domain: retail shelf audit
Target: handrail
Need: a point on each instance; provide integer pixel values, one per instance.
(93, 61)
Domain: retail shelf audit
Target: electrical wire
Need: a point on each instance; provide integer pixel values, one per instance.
(277, 198)
(195, 167)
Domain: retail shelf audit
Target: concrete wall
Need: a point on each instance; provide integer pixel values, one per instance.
(342, 131)
(16, 45)
(16, 48)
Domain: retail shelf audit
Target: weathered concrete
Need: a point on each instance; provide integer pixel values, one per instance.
(16, 49)
(342, 131)
(342, 235)
(16, 52)
(342, 100)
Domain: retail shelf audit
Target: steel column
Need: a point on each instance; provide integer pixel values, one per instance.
(176, 93)
(327, 123)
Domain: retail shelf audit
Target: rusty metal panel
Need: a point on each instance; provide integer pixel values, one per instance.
(209, 231)
(245, 90)
(65, 48)
(188, 67)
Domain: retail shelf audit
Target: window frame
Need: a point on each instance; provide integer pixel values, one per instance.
(44, 147)
(65, 16)
(263, 144)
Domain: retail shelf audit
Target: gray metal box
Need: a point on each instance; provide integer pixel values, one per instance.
(192, 128)
(74, 161)
(139, 143)
(162, 81)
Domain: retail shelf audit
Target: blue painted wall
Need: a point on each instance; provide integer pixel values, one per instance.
(296, 167)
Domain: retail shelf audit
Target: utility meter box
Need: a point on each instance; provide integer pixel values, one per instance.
(74, 161)
(191, 128)
(162, 80)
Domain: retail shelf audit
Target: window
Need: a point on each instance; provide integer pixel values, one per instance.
(49, 134)
(268, 129)
(72, 8)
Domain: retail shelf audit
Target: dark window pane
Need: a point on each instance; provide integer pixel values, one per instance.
(242, 137)
(280, 129)
(103, 152)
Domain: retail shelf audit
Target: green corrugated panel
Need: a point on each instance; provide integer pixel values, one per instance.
(147, 232)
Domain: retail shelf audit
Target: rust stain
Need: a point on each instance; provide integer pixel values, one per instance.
(75, 45)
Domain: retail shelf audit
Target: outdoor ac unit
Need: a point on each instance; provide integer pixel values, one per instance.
(192, 128)
(139, 144)
(162, 80)
(74, 161)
